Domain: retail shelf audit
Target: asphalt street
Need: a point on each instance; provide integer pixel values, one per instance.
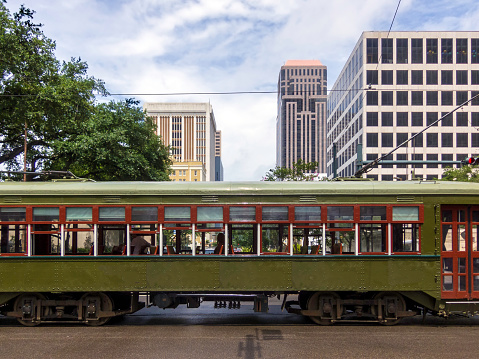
(211, 333)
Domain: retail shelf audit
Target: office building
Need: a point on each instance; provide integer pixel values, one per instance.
(301, 118)
(393, 86)
(218, 164)
(189, 171)
(190, 130)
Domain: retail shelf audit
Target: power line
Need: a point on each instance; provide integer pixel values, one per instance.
(242, 92)
(389, 31)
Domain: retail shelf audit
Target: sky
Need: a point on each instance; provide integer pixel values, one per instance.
(142, 47)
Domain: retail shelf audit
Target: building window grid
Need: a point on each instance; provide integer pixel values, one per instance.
(458, 79)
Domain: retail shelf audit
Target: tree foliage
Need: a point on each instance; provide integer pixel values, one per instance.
(38, 92)
(464, 174)
(116, 143)
(55, 103)
(301, 171)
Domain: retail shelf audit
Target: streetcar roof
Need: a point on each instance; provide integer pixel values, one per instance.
(59, 188)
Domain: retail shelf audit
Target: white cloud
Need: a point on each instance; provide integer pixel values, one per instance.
(164, 46)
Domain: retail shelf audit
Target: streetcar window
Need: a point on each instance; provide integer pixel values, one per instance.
(206, 242)
(111, 238)
(83, 214)
(339, 242)
(307, 241)
(78, 238)
(475, 265)
(475, 233)
(12, 214)
(113, 214)
(475, 216)
(447, 216)
(308, 214)
(340, 213)
(447, 237)
(275, 213)
(447, 265)
(209, 214)
(447, 280)
(461, 237)
(406, 213)
(242, 214)
(178, 241)
(405, 237)
(373, 213)
(145, 214)
(372, 237)
(243, 237)
(13, 238)
(46, 214)
(177, 214)
(274, 238)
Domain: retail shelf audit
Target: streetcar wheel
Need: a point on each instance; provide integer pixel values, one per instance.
(325, 302)
(28, 302)
(106, 305)
(303, 299)
(391, 304)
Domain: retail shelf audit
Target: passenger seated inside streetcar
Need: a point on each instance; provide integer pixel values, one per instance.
(220, 243)
(139, 245)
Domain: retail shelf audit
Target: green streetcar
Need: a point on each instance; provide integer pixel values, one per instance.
(350, 250)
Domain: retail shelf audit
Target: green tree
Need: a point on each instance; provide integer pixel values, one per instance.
(117, 142)
(464, 174)
(301, 171)
(37, 92)
(55, 104)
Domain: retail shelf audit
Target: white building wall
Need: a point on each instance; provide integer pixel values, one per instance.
(348, 107)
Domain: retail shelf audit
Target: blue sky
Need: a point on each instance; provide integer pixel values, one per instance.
(164, 46)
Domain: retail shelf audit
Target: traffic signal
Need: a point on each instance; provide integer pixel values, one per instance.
(472, 161)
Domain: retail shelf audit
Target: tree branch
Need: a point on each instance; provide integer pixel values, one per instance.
(19, 150)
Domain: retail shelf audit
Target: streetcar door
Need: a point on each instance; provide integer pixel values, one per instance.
(460, 252)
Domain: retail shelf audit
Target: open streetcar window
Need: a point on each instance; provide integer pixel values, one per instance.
(274, 238)
(405, 235)
(373, 236)
(243, 230)
(13, 237)
(341, 234)
(46, 236)
(243, 238)
(308, 230)
(307, 240)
